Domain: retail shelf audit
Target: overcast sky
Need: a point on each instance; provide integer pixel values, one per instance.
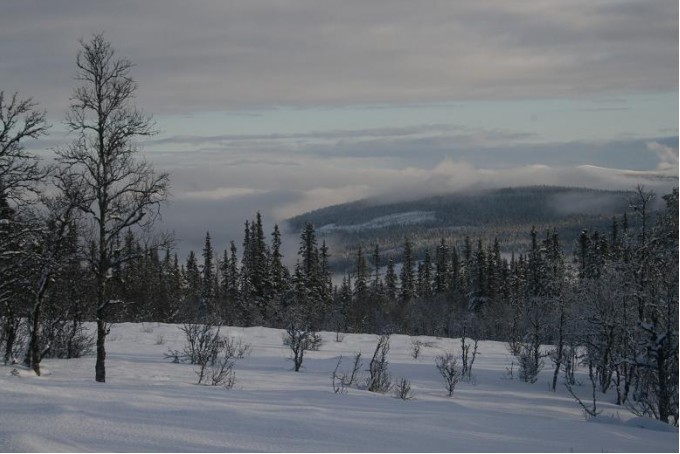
(287, 106)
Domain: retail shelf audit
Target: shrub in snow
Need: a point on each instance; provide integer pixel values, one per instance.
(338, 380)
(146, 329)
(13, 338)
(203, 344)
(448, 368)
(63, 338)
(219, 372)
(570, 362)
(213, 353)
(341, 381)
(403, 389)
(589, 411)
(530, 363)
(300, 338)
(379, 378)
(509, 371)
(416, 346)
(242, 350)
(354, 376)
(467, 358)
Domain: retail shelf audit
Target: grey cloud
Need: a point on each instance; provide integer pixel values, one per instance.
(330, 142)
(319, 179)
(417, 146)
(332, 134)
(605, 109)
(231, 55)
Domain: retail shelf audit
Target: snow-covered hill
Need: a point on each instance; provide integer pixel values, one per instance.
(397, 219)
(151, 404)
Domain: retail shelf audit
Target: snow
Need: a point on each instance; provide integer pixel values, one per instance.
(406, 218)
(151, 404)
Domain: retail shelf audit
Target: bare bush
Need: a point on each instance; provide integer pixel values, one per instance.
(509, 371)
(203, 344)
(315, 341)
(175, 355)
(341, 381)
(416, 347)
(590, 411)
(570, 362)
(379, 378)
(214, 354)
(66, 339)
(146, 329)
(448, 368)
(530, 363)
(13, 338)
(403, 390)
(220, 372)
(300, 338)
(338, 380)
(513, 347)
(356, 367)
(467, 358)
(242, 350)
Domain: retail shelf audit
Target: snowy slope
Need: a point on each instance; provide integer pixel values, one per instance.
(150, 404)
(409, 218)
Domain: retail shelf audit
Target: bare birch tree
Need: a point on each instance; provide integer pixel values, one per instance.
(20, 177)
(118, 190)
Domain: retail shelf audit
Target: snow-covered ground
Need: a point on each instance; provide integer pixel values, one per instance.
(151, 404)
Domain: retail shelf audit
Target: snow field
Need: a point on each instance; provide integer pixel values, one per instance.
(151, 404)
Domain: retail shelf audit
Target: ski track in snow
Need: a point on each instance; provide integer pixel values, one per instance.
(151, 404)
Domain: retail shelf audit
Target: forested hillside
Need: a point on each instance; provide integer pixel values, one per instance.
(507, 214)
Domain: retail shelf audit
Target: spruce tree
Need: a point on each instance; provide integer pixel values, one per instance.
(193, 285)
(425, 276)
(441, 276)
(245, 278)
(390, 281)
(308, 279)
(377, 282)
(408, 290)
(207, 302)
(326, 284)
(279, 273)
(230, 285)
(360, 305)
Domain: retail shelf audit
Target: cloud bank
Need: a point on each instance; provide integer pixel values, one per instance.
(217, 55)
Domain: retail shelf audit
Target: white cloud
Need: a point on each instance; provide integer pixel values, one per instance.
(668, 156)
(315, 198)
(219, 193)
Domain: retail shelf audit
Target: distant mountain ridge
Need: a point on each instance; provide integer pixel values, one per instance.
(507, 214)
(493, 206)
